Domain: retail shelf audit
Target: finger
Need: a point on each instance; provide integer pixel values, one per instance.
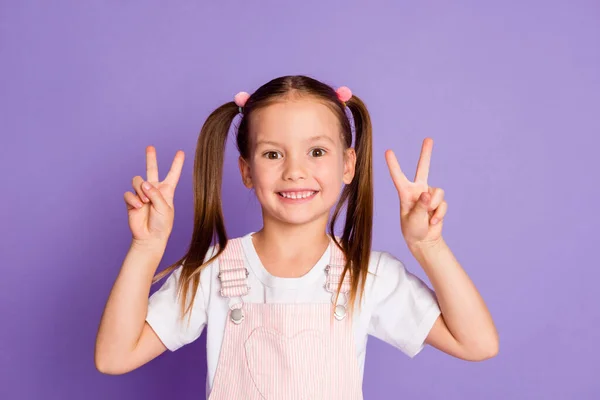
(137, 186)
(423, 203)
(132, 201)
(155, 197)
(420, 210)
(151, 164)
(437, 196)
(175, 171)
(440, 213)
(400, 180)
(424, 161)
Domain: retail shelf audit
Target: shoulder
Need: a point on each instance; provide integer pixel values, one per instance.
(213, 253)
(210, 266)
(383, 264)
(387, 275)
(402, 307)
(213, 256)
(171, 283)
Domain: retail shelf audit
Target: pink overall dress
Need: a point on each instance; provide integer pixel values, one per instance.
(285, 351)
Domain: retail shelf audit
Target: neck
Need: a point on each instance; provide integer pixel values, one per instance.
(292, 239)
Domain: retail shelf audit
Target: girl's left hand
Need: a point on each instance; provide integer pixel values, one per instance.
(422, 208)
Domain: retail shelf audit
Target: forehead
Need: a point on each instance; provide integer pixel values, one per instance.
(295, 119)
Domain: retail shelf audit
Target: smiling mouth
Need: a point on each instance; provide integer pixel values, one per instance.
(305, 194)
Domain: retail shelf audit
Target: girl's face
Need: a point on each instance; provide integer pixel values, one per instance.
(297, 162)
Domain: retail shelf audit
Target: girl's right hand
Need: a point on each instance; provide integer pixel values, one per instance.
(150, 211)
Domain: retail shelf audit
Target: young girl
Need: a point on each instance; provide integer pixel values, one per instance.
(288, 308)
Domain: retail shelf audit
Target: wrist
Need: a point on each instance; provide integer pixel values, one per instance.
(421, 248)
(157, 247)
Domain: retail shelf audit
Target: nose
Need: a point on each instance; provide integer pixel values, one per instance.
(294, 169)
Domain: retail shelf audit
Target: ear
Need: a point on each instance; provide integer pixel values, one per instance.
(349, 165)
(245, 172)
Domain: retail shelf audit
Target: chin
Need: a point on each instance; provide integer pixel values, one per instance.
(299, 221)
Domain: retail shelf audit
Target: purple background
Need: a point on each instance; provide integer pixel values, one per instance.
(510, 93)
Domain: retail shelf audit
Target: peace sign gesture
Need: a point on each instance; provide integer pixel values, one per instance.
(422, 208)
(150, 208)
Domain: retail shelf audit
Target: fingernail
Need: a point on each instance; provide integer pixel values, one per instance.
(138, 205)
(434, 221)
(146, 185)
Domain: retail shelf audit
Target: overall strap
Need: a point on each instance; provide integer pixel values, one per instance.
(334, 274)
(233, 273)
(334, 271)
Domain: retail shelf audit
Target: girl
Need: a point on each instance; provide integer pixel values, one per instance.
(288, 308)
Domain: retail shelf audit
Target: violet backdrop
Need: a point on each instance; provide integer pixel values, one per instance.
(510, 93)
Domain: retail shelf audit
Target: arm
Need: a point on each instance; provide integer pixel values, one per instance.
(125, 341)
(465, 329)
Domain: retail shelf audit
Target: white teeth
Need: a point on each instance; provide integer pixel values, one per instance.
(297, 195)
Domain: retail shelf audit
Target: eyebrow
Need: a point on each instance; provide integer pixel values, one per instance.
(312, 139)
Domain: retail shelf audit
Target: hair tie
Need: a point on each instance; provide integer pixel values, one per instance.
(240, 100)
(344, 94)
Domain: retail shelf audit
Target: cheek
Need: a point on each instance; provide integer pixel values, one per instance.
(331, 175)
(263, 174)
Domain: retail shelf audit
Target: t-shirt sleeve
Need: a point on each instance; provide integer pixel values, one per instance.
(164, 313)
(404, 309)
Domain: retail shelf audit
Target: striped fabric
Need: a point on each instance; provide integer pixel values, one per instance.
(285, 351)
(334, 271)
(232, 270)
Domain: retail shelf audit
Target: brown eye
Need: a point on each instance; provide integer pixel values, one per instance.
(318, 152)
(272, 155)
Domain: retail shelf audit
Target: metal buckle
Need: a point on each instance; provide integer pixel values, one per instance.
(339, 312)
(237, 316)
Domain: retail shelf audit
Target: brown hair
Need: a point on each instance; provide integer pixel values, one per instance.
(355, 242)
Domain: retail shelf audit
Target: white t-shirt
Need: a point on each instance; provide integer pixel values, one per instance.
(397, 306)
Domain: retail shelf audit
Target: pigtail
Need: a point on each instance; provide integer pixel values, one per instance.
(357, 235)
(209, 225)
(208, 210)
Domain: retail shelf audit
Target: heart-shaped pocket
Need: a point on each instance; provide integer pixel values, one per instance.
(286, 367)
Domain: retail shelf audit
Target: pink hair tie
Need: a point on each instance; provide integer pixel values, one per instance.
(240, 99)
(344, 94)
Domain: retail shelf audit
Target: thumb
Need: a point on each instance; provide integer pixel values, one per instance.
(155, 197)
